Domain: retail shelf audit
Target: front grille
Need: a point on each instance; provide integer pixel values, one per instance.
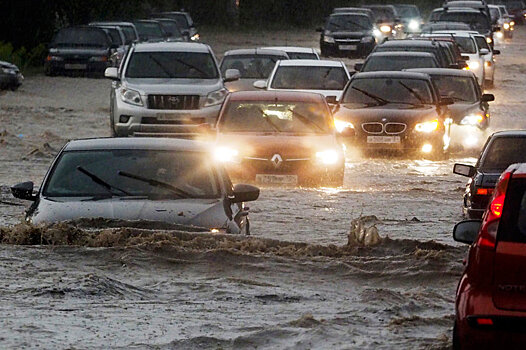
(373, 128)
(347, 41)
(173, 102)
(266, 166)
(156, 121)
(395, 128)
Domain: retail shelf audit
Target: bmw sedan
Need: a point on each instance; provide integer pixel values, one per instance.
(157, 180)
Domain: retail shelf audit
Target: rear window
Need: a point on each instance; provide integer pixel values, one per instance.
(466, 44)
(477, 21)
(149, 30)
(75, 37)
(502, 152)
(460, 89)
(351, 23)
(398, 63)
(251, 66)
(309, 78)
(302, 56)
(512, 227)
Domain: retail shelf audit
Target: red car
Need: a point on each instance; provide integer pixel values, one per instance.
(491, 296)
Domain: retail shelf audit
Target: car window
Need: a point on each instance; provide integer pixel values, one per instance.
(149, 30)
(348, 23)
(477, 21)
(383, 14)
(460, 89)
(302, 56)
(309, 78)
(397, 63)
(494, 13)
(270, 116)
(251, 66)
(129, 33)
(482, 43)
(407, 11)
(76, 37)
(181, 20)
(171, 28)
(512, 226)
(502, 152)
(191, 65)
(465, 44)
(192, 172)
(114, 35)
(380, 91)
(408, 48)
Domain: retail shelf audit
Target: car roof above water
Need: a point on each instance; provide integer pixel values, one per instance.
(172, 46)
(137, 143)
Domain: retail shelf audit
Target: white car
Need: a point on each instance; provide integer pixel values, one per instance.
(296, 52)
(327, 78)
(487, 53)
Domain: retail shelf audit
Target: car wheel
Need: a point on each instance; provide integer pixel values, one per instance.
(456, 339)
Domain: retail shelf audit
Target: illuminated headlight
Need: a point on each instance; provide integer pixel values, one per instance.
(328, 39)
(131, 96)
(488, 40)
(340, 125)
(98, 59)
(385, 29)
(414, 25)
(506, 26)
(512, 23)
(377, 33)
(473, 65)
(367, 39)
(54, 58)
(216, 97)
(427, 127)
(327, 157)
(427, 148)
(499, 35)
(195, 37)
(226, 154)
(472, 119)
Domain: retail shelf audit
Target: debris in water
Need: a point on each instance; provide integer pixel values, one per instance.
(362, 235)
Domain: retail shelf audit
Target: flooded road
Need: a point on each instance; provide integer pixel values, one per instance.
(294, 284)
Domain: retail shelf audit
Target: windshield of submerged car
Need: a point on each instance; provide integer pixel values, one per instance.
(348, 23)
(460, 89)
(74, 37)
(373, 92)
(309, 78)
(276, 117)
(251, 66)
(502, 152)
(190, 65)
(181, 174)
(397, 63)
(477, 21)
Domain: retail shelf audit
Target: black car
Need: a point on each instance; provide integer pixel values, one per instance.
(501, 149)
(171, 28)
(397, 61)
(10, 76)
(347, 34)
(409, 45)
(388, 20)
(397, 111)
(185, 23)
(470, 105)
(150, 30)
(79, 49)
(410, 16)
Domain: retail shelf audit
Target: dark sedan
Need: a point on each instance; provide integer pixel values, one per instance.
(399, 111)
(501, 149)
(409, 45)
(397, 61)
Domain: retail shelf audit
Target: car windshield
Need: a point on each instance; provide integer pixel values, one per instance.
(180, 19)
(149, 30)
(129, 33)
(191, 65)
(171, 29)
(383, 14)
(407, 11)
(114, 35)
(302, 56)
(276, 117)
(466, 44)
(173, 174)
(91, 37)
(406, 48)
(381, 91)
(251, 66)
(350, 23)
(398, 63)
(494, 13)
(477, 21)
(502, 152)
(460, 89)
(309, 78)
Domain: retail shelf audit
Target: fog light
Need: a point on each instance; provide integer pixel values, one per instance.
(427, 148)
(124, 118)
(327, 157)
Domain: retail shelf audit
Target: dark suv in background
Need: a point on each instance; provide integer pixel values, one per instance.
(347, 34)
(184, 22)
(79, 49)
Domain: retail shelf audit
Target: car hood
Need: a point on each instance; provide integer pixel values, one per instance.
(265, 145)
(388, 113)
(207, 213)
(459, 110)
(200, 87)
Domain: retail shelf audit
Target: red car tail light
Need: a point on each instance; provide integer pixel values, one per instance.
(484, 321)
(484, 191)
(490, 222)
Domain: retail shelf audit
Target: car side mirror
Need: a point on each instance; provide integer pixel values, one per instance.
(464, 170)
(331, 100)
(487, 98)
(319, 29)
(496, 52)
(112, 73)
(24, 191)
(466, 231)
(446, 101)
(358, 67)
(260, 84)
(484, 52)
(245, 193)
(232, 75)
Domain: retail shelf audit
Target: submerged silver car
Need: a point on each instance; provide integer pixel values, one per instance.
(158, 180)
(167, 89)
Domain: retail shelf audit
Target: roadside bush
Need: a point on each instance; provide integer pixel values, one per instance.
(22, 57)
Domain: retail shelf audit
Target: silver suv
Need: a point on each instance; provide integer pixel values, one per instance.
(167, 89)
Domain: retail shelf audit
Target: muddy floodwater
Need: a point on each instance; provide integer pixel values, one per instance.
(294, 284)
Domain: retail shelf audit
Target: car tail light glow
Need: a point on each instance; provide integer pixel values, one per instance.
(484, 191)
(484, 321)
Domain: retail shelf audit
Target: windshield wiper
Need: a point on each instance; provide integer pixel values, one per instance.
(156, 183)
(267, 119)
(165, 70)
(413, 92)
(191, 66)
(378, 99)
(101, 182)
(356, 24)
(305, 120)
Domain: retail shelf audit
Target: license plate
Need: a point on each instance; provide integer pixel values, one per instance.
(383, 139)
(348, 47)
(277, 179)
(75, 66)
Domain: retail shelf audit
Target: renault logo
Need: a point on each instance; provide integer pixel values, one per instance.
(276, 160)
